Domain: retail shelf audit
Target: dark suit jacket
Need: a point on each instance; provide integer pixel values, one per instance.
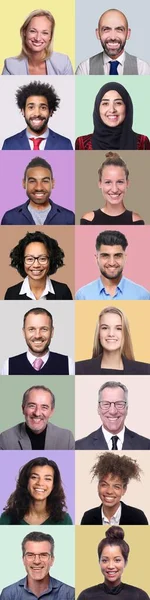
(62, 292)
(129, 516)
(93, 367)
(96, 441)
(19, 141)
(20, 215)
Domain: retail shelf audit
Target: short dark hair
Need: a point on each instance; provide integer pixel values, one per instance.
(37, 387)
(37, 311)
(38, 536)
(114, 537)
(55, 253)
(36, 88)
(111, 238)
(38, 162)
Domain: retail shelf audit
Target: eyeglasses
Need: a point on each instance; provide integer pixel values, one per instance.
(106, 405)
(42, 259)
(41, 555)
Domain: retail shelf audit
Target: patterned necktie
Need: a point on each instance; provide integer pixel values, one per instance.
(37, 364)
(114, 439)
(36, 142)
(113, 67)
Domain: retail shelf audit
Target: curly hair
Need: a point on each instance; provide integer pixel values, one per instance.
(111, 238)
(38, 162)
(114, 537)
(36, 88)
(117, 466)
(55, 253)
(113, 159)
(126, 346)
(19, 501)
(23, 29)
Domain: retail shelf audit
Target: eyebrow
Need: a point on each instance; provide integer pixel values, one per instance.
(110, 28)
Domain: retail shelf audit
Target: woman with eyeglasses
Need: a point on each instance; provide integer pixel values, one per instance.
(39, 498)
(36, 257)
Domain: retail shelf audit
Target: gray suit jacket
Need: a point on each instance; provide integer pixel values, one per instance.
(96, 441)
(16, 438)
(57, 64)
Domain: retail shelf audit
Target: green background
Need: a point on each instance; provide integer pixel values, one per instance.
(12, 568)
(87, 89)
(11, 393)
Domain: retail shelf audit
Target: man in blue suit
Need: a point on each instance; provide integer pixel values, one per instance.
(37, 102)
(39, 209)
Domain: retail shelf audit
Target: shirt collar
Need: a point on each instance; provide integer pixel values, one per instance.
(120, 285)
(25, 289)
(53, 583)
(120, 58)
(41, 135)
(113, 520)
(108, 435)
(31, 357)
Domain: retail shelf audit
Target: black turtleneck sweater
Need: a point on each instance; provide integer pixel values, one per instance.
(37, 439)
(122, 591)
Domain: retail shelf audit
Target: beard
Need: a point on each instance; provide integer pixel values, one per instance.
(113, 275)
(37, 351)
(113, 52)
(38, 128)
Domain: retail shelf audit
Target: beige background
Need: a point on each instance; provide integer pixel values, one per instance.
(10, 237)
(88, 572)
(89, 196)
(86, 403)
(86, 495)
(136, 311)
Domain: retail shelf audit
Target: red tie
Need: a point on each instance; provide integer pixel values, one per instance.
(36, 142)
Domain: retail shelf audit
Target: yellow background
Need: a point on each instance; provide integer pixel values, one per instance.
(13, 16)
(137, 313)
(88, 572)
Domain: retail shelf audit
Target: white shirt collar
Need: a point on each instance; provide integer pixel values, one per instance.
(25, 289)
(115, 520)
(108, 435)
(42, 135)
(120, 58)
(31, 357)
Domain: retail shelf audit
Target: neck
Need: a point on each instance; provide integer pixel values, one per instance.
(38, 587)
(114, 584)
(36, 58)
(38, 507)
(113, 211)
(39, 206)
(37, 287)
(112, 360)
(110, 284)
(109, 511)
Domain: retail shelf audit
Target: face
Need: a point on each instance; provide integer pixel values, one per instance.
(113, 33)
(112, 416)
(37, 566)
(112, 109)
(111, 336)
(39, 268)
(38, 185)
(38, 34)
(110, 491)
(112, 564)
(38, 409)
(110, 260)
(38, 332)
(113, 185)
(36, 114)
(41, 482)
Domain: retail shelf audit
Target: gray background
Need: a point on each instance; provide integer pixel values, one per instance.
(87, 16)
(11, 319)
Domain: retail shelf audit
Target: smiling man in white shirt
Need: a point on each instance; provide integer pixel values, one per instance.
(113, 32)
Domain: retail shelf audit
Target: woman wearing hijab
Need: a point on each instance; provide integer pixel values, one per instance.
(113, 118)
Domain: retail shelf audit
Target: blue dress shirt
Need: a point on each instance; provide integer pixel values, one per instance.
(56, 591)
(125, 290)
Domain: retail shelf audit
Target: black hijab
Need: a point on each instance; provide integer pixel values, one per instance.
(114, 138)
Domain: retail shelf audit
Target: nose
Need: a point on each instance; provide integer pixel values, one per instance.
(113, 409)
(111, 564)
(112, 107)
(111, 332)
(38, 186)
(37, 333)
(36, 559)
(38, 36)
(111, 261)
(114, 187)
(37, 411)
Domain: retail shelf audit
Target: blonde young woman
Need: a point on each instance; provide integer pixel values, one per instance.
(112, 348)
(37, 56)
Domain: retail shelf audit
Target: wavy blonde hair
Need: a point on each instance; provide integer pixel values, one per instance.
(37, 13)
(126, 345)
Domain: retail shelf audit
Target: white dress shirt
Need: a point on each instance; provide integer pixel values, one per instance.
(115, 520)
(31, 358)
(40, 135)
(25, 289)
(142, 66)
(108, 436)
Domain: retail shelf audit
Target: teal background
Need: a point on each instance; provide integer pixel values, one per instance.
(87, 88)
(11, 393)
(12, 568)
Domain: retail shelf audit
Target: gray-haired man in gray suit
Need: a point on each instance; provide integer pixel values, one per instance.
(36, 432)
(113, 435)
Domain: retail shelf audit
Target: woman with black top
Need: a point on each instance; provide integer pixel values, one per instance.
(113, 182)
(113, 554)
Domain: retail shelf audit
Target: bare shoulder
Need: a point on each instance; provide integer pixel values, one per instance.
(88, 216)
(136, 217)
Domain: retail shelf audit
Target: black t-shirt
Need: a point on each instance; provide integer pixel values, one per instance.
(122, 592)
(37, 439)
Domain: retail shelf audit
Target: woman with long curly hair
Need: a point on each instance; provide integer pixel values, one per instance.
(39, 498)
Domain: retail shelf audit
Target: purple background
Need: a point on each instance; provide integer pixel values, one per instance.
(12, 461)
(12, 167)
